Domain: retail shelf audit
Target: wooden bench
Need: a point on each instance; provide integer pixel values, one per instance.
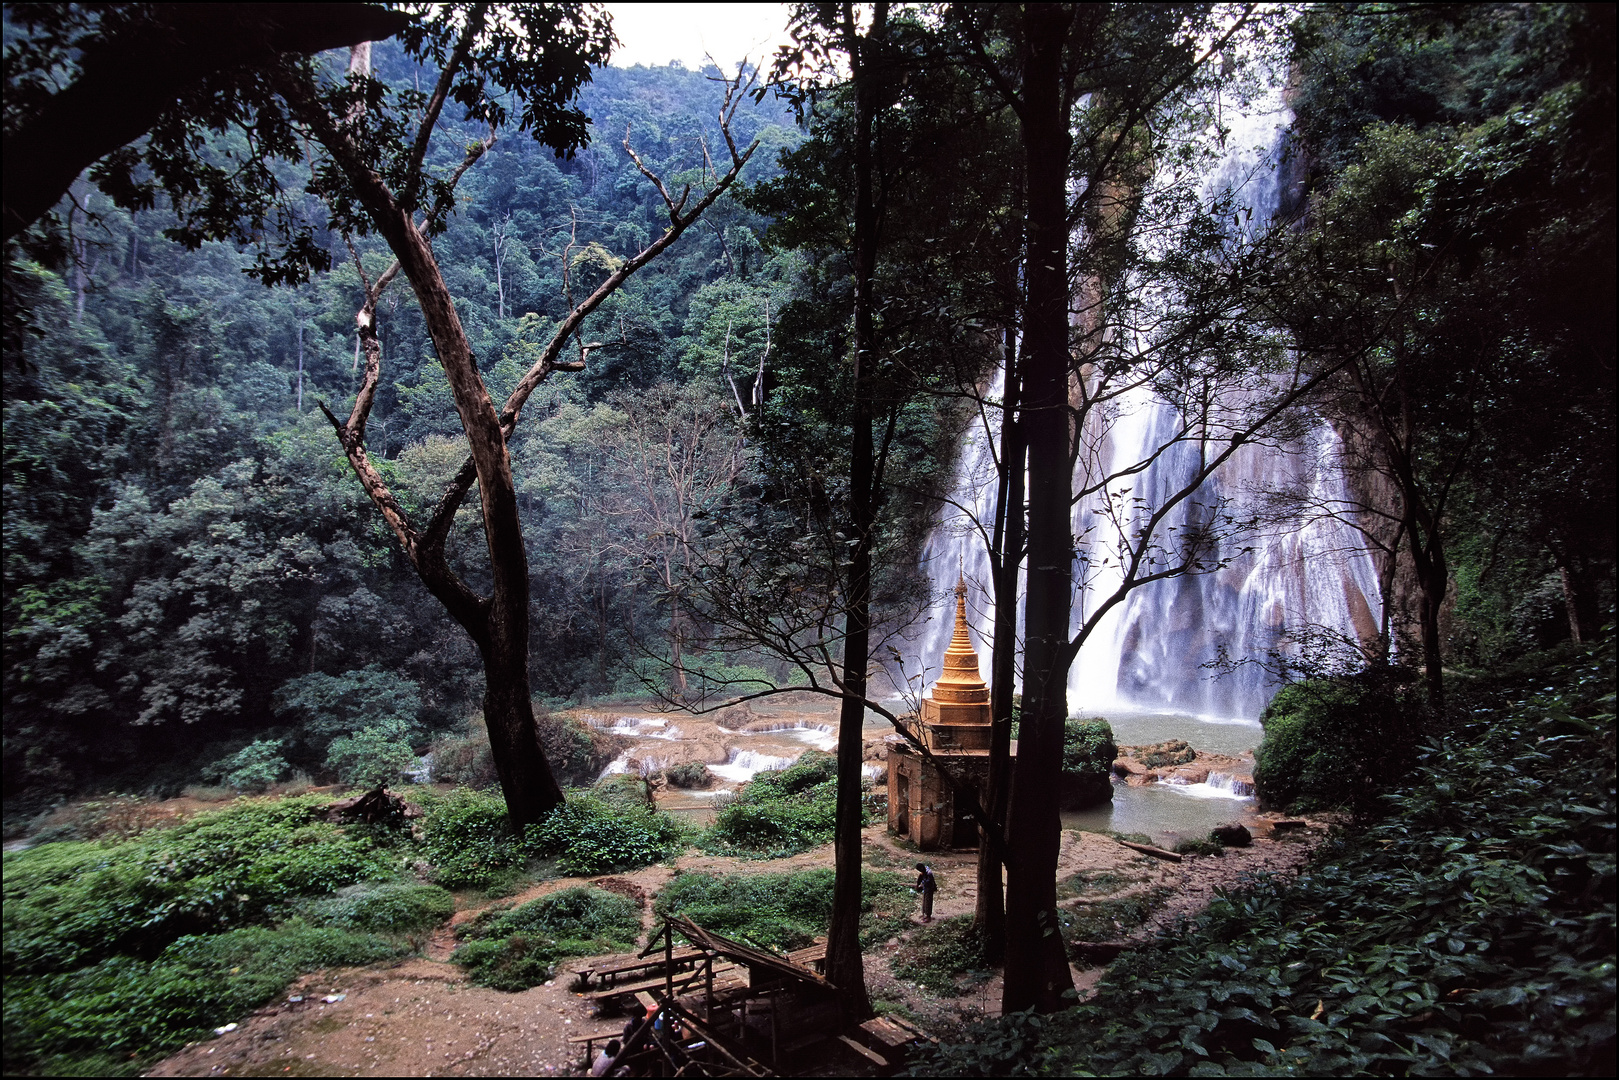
(682, 981)
(610, 975)
(589, 1041)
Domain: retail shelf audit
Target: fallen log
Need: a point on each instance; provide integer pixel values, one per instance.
(1155, 852)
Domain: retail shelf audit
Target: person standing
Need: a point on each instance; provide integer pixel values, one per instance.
(927, 886)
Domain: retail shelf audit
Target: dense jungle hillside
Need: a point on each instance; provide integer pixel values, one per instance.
(407, 415)
(189, 564)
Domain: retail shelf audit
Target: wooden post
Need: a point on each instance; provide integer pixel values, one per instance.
(775, 1030)
(708, 972)
(668, 962)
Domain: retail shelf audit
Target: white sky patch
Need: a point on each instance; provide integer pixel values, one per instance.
(655, 34)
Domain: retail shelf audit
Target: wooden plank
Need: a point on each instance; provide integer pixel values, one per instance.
(604, 1033)
(870, 1055)
(646, 1000)
(1155, 852)
(890, 1035)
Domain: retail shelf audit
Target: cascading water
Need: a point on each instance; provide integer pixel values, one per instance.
(1150, 652)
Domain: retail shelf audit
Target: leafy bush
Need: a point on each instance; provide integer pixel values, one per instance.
(945, 958)
(511, 964)
(386, 908)
(254, 767)
(1336, 743)
(516, 949)
(623, 792)
(1470, 932)
(470, 843)
(589, 837)
(691, 774)
(1169, 752)
(376, 756)
(780, 813)
(1199, 846)
(468, 839)
(122, 1005)
(1088, 753)
(1088, 747)
(784, 911)
(71, 904)
(327, 706)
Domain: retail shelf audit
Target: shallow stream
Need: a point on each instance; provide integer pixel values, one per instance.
(1167, 812)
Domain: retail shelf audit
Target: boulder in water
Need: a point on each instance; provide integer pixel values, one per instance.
(1081, 791)
(1231, 834)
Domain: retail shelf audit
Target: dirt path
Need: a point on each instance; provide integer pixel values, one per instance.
(420, 1017)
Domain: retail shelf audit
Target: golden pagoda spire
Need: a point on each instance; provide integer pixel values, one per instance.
(960, 680)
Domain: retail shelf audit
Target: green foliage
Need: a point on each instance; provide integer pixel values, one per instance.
(72, 904)
(376, 756)
(515, 949)
(382, 908)
(1200, 846)
(1170, 752)
(690, 774)
(1471, 932)
(946, 958)
(780, 813)
(1332, 743)
(125, 1006)
(1088, 747)
(784, 911)
(328, 706)
(255, 766)
(470, 843)
(589, 837)
(467, 838)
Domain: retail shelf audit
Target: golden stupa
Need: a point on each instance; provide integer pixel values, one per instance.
(956, 715)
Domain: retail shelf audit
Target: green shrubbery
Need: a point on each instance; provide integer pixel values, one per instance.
(589, 837)
(1470, 932)
(690, 774)
(780, 813)
(374, 756)
(71, 904)
(784, 911)
(470, 844)
(133, 946)
(123, 1006)
(387, 907)
(1088, 753)
(515, 949)
(1336, 743)
(255, 766)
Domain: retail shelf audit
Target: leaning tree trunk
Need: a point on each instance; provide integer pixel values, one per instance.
(525, 776)
(499, 623)
(1037, 972)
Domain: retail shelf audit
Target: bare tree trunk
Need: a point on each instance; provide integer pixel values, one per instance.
(1037, 972)
(845, 967)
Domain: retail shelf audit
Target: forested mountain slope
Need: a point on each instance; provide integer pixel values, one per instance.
(190, 564)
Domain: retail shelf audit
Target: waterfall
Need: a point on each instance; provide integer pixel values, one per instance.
(1149, 653)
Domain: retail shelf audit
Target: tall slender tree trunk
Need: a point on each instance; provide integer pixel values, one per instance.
(989, 914)
(845, 967)
(1037, 972)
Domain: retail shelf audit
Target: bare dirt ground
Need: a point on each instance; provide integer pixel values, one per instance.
(420, 1017)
